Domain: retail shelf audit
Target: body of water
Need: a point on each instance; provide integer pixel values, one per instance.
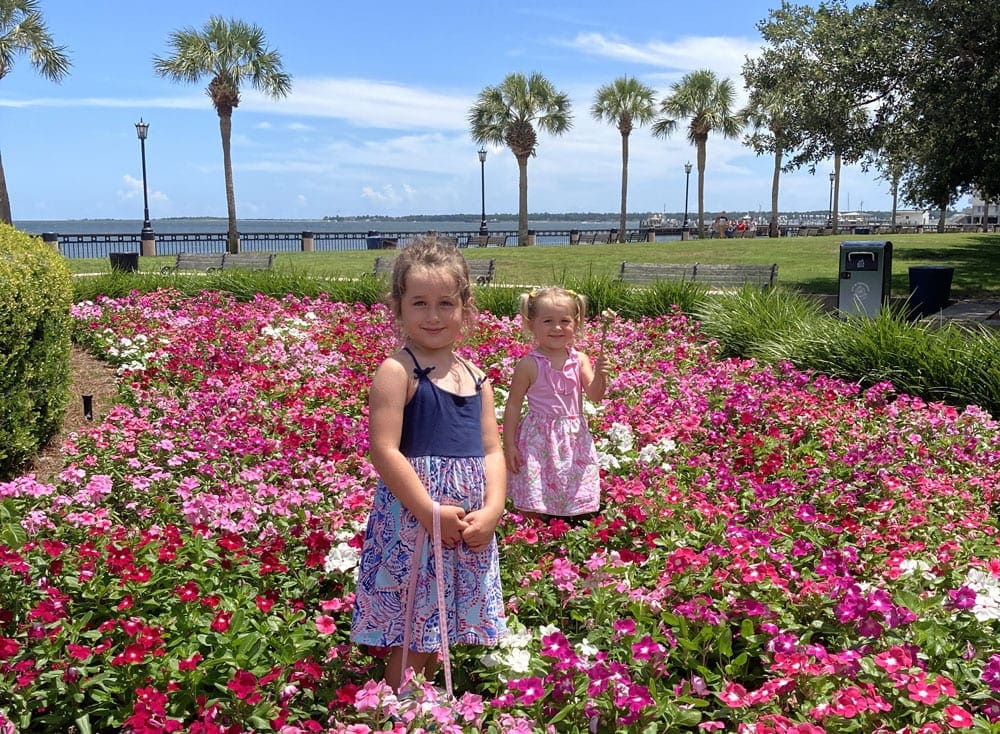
(89, 238)
(177, 226)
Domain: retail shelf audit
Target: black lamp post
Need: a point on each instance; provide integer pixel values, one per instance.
(142, 129)
(829, 219)
(687, 183)
(482, 187)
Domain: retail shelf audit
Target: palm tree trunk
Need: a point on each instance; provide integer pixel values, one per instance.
(772, 229)
(622, 214)
(4, 198)
(701, 189)
(522, 200)
(226, 129)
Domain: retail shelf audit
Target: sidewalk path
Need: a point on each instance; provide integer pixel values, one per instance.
(985, 312)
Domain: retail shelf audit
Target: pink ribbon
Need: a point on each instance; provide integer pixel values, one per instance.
(411, 593)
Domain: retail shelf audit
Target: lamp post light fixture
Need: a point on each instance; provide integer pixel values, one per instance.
(147, 236)
(829, 218)
(482, 187)
(687, 183)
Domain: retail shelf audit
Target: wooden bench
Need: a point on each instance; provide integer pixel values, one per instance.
(194, 262)
(489, 240)
(712, 275)
(636, 235)
(208, 263)
(248, 261)
(600, 237)
(480, 271)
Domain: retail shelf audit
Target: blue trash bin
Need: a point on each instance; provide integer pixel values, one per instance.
(374, 240)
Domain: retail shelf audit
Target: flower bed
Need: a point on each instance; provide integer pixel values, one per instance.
(778, 552)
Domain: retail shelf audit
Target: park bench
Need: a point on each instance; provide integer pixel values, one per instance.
(194, 262)
(599, 237)
(635, 235)
(248, 260)
(208, 263)
(480, 271)
(488, 240)
(711, 275)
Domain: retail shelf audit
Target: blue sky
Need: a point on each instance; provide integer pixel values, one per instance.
(377, 119)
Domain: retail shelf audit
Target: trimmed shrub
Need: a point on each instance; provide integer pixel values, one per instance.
(35, 296)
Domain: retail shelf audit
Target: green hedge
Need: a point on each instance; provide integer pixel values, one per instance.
(35, 295)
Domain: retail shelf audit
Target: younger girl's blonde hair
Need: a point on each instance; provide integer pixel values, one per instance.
(554, 293)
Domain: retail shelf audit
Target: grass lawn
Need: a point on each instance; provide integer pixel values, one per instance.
(807, 264)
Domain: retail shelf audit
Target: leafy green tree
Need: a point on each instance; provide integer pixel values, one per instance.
(230, 53)
(821, 63)
(508, 113)
(940, 71)
(707, 102)
(626, 103)
(23, 31)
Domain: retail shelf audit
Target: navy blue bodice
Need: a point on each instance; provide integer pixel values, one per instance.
(439, 423)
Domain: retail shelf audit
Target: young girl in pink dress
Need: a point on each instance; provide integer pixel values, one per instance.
(550, 455)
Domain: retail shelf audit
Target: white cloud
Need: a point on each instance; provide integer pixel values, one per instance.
(368, 103)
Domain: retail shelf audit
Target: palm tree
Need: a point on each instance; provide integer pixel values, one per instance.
(231, 53)
(627, 103)
(22, 30)
(708, 102)
(507, 115)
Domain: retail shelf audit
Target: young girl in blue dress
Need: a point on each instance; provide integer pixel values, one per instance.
(434, 441)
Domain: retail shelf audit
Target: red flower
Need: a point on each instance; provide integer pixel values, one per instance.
(244, 685)
(221, 621)
(189, 663)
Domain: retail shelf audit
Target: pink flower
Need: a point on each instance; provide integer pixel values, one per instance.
(531, 689)
(957, 717)
(325, 624)
(734, 696)
(922, 691)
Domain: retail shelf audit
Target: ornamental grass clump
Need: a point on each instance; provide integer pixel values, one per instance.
(778, 551)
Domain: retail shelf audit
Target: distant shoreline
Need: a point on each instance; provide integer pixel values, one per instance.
(470, 218)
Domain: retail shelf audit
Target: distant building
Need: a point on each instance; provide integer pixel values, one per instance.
(974, 215)
(912, 217)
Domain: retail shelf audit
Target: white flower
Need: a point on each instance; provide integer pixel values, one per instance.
(987, 589)
(607, 461)
(912, 566)
(586, 650)
(341, 557)
(621, 434)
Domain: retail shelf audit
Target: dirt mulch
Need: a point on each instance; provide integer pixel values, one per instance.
(89, 376)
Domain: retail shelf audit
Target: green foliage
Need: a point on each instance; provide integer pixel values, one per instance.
(35, 293)
(950, 364)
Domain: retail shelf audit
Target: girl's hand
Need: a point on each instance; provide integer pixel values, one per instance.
(601, 365)
(479, 529)
(512, 457)
(453, 525)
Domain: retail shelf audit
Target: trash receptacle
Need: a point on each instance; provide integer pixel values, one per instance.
(865, 276)
(124, 262)
(930, 288)
(374, 241)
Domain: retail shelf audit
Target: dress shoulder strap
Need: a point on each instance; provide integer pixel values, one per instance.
(418, 371)
(478, 379)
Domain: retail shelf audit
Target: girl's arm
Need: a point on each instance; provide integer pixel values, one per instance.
(525, 373)
(483, 522)
(386, 401)
(593, 378)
